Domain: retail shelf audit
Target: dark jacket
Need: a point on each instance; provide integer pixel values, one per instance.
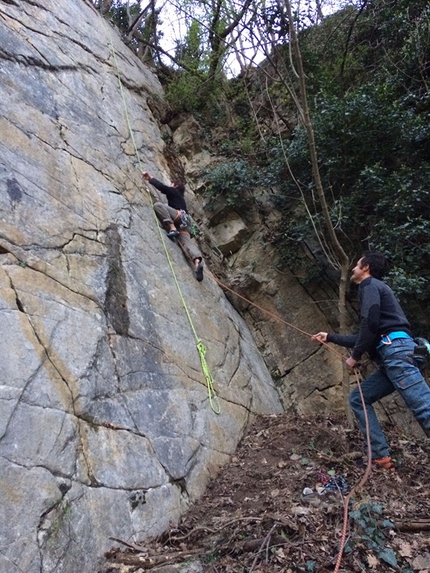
(380, 313)
(175, 198)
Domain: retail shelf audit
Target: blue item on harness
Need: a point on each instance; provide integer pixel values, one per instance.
(387, 339)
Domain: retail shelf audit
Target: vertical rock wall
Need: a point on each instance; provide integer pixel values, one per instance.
(105, 424)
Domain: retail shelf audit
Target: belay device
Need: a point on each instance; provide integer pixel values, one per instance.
(421, 353)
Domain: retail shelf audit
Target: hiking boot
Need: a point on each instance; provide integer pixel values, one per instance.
(199, 271)
(173, 234)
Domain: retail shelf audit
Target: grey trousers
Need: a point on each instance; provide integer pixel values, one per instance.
(169, 215)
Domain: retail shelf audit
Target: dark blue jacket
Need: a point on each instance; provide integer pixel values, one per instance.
(175, 198)
(380, 313)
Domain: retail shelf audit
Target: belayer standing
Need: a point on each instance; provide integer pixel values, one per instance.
(174, 217)
(385, 334)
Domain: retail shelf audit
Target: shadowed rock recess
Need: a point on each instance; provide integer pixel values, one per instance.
(105, 424)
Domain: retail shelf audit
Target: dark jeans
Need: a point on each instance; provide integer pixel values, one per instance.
(396, 373)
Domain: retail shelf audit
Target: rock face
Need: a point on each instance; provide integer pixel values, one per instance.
(280, 308)
(106, 428)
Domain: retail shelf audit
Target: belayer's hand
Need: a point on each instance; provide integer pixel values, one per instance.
(351, 363)
(320, 337)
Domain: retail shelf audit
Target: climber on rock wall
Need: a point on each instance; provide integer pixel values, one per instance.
(174, 218)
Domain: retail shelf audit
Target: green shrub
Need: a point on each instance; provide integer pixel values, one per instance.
(234, 181)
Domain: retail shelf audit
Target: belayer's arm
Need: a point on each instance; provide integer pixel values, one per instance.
(346, 340)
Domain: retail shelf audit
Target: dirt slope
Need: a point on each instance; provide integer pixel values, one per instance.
(255, 518)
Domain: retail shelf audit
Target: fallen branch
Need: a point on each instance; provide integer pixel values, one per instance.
(266, 543)
(351, 456)
(415, 525)
(150, 562)
(258, 544)
(207, 529)
(128, 544)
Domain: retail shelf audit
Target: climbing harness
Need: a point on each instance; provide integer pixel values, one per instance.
(212, 396)
(387, 339)
(186, 223)
(184, 219)
(421, 353)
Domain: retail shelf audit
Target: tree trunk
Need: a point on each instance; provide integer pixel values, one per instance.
(337, 247)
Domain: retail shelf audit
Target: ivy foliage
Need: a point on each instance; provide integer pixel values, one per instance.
(233, 182)
(368, 72)
(371, 531)
(372, 133)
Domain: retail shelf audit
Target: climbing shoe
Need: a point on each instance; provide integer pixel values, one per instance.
(381, 463)
(173, 234)
(385, 464)
(199, 272)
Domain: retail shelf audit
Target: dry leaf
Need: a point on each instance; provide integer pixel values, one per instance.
(405, 550)
(372, 561)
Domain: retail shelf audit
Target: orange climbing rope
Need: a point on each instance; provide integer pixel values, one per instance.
(358, 486)
(368, 470)
(277, 317)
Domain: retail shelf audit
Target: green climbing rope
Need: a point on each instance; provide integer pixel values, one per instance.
(212, 396)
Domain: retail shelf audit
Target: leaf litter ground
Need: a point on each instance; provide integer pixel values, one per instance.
(255, 518)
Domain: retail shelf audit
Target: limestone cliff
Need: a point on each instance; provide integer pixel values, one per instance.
(105, 424)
